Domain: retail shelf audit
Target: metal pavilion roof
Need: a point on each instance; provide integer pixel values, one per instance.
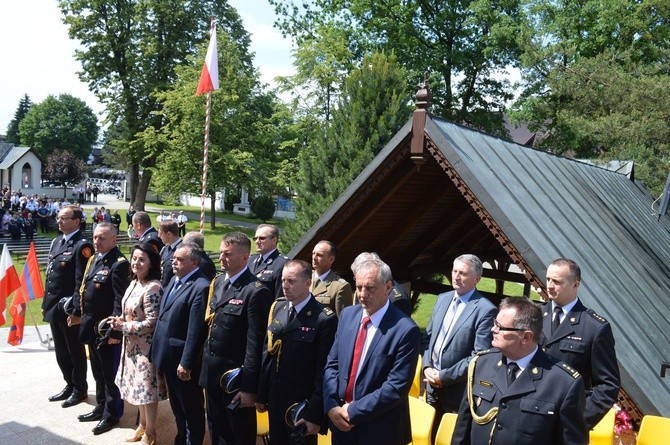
(469, 192)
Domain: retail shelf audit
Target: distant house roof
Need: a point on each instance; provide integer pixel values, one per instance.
(440, 190)
(10, 155)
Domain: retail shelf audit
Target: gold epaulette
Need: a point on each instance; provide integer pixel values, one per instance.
(209, 315)
(274, 346)
(82, 288)
(570, 370)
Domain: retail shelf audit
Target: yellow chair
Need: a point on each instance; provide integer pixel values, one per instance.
(654, 430)
(263, 427)
(446, 429)
(325, 440)
(415, 390)
(421, 416)
(603, 432)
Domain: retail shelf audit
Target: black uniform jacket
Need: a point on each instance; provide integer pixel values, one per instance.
(294, 372)
(105, 282)
(237, 322)
(67, 262)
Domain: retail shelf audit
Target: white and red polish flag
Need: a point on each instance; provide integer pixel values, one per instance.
(209, 77)
(9, 281)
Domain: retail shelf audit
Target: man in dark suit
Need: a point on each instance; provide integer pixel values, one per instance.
(104, 283)
(68, 256)
(459, 327)
(144, 232)
(327, 287)
(581, 338)
(237, 314)
(176, 350)
(168, 233)
(371, 365)
(206, 264)
(299, 335)
(267, 263)
(518, 394)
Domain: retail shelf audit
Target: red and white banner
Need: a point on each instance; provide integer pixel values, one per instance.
(209, 77)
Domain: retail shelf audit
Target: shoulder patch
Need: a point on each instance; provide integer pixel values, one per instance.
(487, 351)
(600, 318)
(121, 259)
(258, 284)
(328, 311)
(396, 293)
(87, 252)
(570, 370)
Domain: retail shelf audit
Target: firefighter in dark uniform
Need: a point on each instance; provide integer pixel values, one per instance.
(105, 281)
(581, 338)
(299, 336)
(268, 263)
(237, 314)
(68, 256)
(517, 394)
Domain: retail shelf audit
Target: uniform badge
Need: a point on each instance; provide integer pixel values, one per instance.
(86, 252)
(97, 285)
(499, 362)
(486, 384)
(104, 272)
(67, 253)
(309, 313)
(573, 319)
(545, 314)
(236, 301)
(63, 264)
(478, 401)
(534, 371)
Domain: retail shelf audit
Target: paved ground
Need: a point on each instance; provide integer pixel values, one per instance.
(29, 376)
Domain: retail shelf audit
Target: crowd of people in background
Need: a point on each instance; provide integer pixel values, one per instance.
(285, 336)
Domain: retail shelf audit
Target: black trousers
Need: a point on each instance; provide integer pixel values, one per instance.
(186, 401)
(229, 427)
(70, 354)
(104, 363)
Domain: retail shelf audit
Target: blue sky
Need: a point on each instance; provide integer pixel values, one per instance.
(38, 57)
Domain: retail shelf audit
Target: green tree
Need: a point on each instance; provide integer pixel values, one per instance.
(371, 109)
(263, 207)
(595, 74)
(465, 45)
(131, 50)
(63, 167)
(60, 123)
(13, 128)
(245, 133)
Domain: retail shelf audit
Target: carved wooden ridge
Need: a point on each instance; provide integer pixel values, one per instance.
(483, 214)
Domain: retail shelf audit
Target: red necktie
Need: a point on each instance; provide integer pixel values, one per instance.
(358, 352)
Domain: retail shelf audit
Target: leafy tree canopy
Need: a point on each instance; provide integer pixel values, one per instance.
(60, 123)
(63, 167)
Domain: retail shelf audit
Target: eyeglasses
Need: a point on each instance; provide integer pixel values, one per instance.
(262, 238)
(503, 328)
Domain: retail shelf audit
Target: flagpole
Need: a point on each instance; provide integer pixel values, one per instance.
(208, 106)
(204, 160)
(39, 334)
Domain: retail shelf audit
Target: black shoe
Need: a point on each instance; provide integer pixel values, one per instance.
(64, 394)
(75, 399)
(105, 425)
(93, 416)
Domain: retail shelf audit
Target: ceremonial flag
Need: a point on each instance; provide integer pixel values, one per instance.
(209, 77)
(9, 281)
(31, 288)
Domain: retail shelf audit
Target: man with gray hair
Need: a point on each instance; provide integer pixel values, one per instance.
(371, 365)
(397, 295)
(459, 327)
(144, 232)
(517, 394)
(206, 265)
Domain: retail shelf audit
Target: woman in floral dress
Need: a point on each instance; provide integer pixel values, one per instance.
(137, 378)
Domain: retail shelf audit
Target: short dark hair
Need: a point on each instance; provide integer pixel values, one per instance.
(304, 269)
(169, 227)
(154, 261)
(238, 239)
(194, 251)
(142, 218)
(76, 211)
(528, 315)
(573, 268)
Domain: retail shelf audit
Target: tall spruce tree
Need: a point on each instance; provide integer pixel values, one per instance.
(13, 136)
(372, 107)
